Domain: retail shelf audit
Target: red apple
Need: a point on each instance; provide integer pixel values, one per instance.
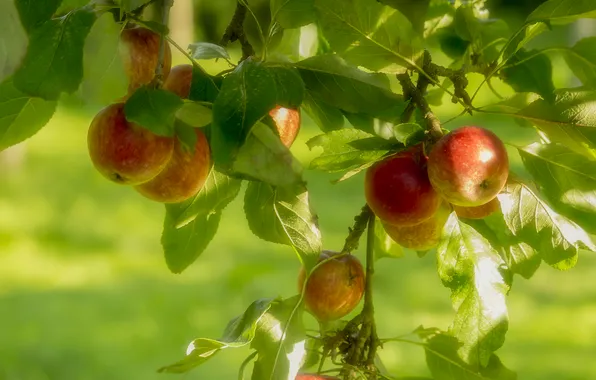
(139, 51)
(335, 288)
(398, 191)
(179, 80)
(125, 152)
(423, 236)
(468, 166)
(478, 212)
(307, 376)
(287, 121)
(184, 175)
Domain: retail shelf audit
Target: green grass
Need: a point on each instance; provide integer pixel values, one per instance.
(85, 293)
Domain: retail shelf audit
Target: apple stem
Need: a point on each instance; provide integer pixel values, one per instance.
(165, 15)
(235, 32)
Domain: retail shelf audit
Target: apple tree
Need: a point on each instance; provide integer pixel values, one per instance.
(366, 76)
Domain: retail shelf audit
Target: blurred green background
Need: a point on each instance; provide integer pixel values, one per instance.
(85, 292)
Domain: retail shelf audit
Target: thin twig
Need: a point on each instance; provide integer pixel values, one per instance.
(165, 15)
(235, 32)
(360, 222)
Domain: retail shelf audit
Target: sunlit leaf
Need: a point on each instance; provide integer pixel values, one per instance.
(293, 13)
(563, 11)
(581, 59)
(384, 245)
(414, 10)
(207, 50)
(522, 37)
(13, 39)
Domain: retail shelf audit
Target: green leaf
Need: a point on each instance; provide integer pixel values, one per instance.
(342, 150)
(33, 13)
(182, 246)
(21, 116)
(154, 109)
(280, 341)
(369, 34)
(247, 95)
(479, 282)
(327, 118)
(207, 50)
(414, 10)
(284, 215)
(13, 39)
(104, 78)
(530, 72)
(569, 120)
(204, 87)
(407, 132)
(567, 180)
(264, 157)
(54, 59)
(581, 59)
(293, 13)
(331, 80)
(195, 114)
(217, 192)
(466, 24)
(529, 218)
(563, 11)
(186, 134)
(384, 245)
(131, 5)
(444, 363)
(239, 332)
(522, 37)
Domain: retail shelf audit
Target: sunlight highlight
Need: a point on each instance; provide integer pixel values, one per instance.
(486, 155)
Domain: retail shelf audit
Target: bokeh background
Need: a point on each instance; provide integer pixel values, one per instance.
(85, 292)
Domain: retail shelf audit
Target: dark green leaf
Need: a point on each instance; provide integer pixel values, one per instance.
(13, 39)
(239, 332)
(381, 123)
(104, 78)
(581, 59)
(466, 24)
(54, 59)
(293, 13)
(280, 341)
(530, 72)
(131, 5)
(369, 34)
(154, 109)
(479, 282)
(21, 116)
(529, 219)
(563, 11)
(182, 246)
(567, 180)
(330, 79)
(327, 117)
(570, 120)
(522, 37)
(33, 13)
(207, 50)
(444, 363)
(204, 87)
(283, 215)
(414, 10)
(289, 86)
(341, 150)
(217, 192)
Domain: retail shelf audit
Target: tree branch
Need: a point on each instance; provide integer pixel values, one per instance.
(360, 222)
(235, 32)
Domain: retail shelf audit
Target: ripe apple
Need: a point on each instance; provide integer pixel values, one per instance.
(308, 376)
(335, 288)
(287, 121)
(139, 51)
(179, 80)
(423, 236)
(478, 212)
(184, 175)
(468, 166)
(398, 191)
(125, 152)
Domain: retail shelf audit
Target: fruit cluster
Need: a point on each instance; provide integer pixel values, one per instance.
(160, 168)
(413, 194)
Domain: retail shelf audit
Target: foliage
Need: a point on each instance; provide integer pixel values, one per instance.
(348, 84)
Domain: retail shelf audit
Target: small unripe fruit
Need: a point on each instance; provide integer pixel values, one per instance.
(468, 166)
(335, 288)
(478, 212)
(124, 152)
(287, 121)
(398, 191)
(423, 236)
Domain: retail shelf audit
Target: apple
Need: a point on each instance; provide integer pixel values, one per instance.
(184, 175)
(287, 121)
(478, 212)
(179, 80)
(398, 191)
(308, 376)
(124, 152)
(139, 51)
(335, 288)
(468, 166)
(423, 236)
